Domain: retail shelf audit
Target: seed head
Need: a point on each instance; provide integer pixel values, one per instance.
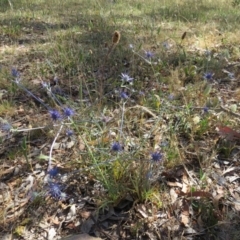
(116, 37)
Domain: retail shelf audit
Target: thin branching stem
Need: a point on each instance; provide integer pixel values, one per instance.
(50, 153)
(122, 119)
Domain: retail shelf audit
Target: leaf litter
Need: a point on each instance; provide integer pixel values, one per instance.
(195, 205)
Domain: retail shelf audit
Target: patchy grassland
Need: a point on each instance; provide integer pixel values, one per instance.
(153, 157)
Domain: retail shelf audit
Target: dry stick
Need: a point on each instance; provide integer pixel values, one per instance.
(50, 153)
(229, 111)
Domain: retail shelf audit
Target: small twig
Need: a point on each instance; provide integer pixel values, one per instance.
(145, 110)
(36, 128)
(229, 111)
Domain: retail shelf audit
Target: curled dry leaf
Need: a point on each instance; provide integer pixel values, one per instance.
(185, 183)
(185, 213)
(85, 214)
(142, 210)
(51, 233)
(228, 133)
(196, 194)
(216, 200)
(173, 195)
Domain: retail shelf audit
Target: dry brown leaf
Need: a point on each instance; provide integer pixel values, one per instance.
(36, 81)
(196, 194)
(54, 220)
(142, 210)
(85, 214)
(87, 225)
(80, 237)
(200, 223)
(228, 133)
(185, 183)
(216, 201)
(232, 178)
(185, 213)
(230, 169)
(173, 195)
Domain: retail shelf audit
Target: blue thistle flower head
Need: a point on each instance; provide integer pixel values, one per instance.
(55, 191)
(53, 172)
(126, 78)
(171, 97)
(68, 112)
(231, 76)
(45, 85)
(149, 54)
(208, 53)
(166, 45)
(123, 95)
(5, 126)
(208, 75)
(116, 147)
(156, 156)
(55, 115)
(69, 132)
(205, 109)
(15, 73)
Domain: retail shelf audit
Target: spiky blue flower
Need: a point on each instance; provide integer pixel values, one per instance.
(166, 45)
(171, 97)
(53, 172)
(123, 95)
(5, 126)
(149, 54)
(68, 112)
(156, 156)
(208, 75)
(205, 109)
(55, 115)
(69, 132)
(116, 147)
(126, 78)
(231, 76)
(55, 191)
(45, 85)
(15, 73)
